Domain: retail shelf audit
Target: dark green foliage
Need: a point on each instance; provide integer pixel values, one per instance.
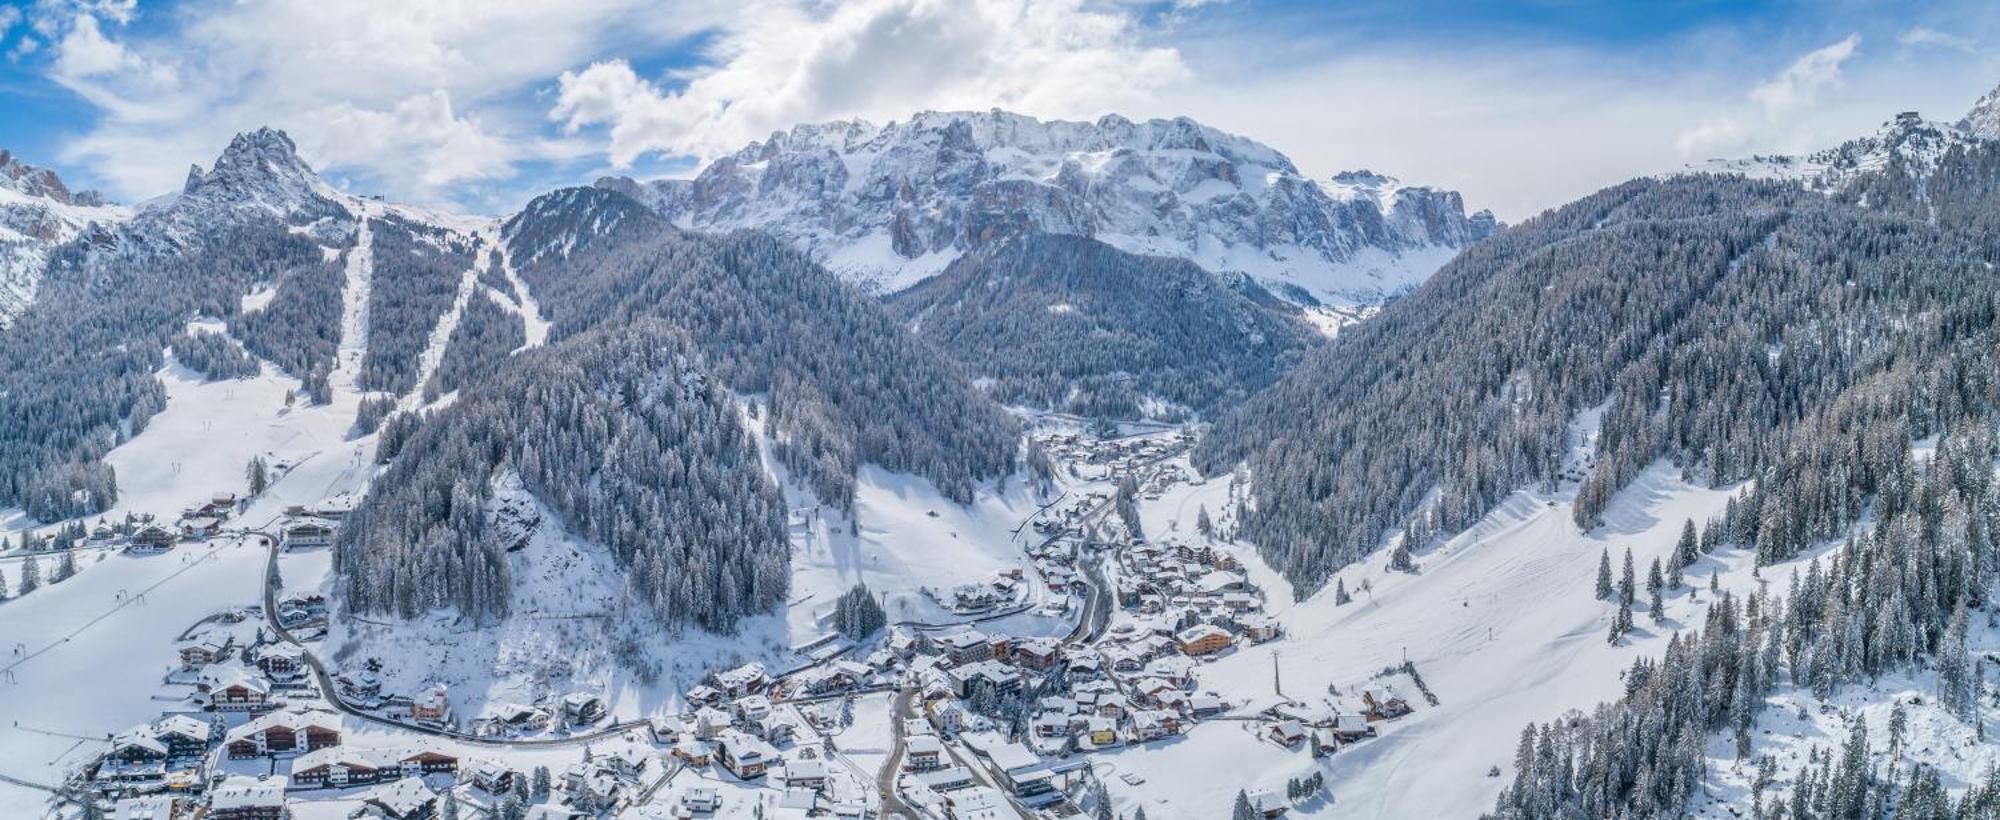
(845, 385)
(1737, 328)
(416, 275)
(76, 369)
(213, 355)
(625, 436)
(373, 410)
(1072, 324)
(485, 335)
(857, 614)
(299, 329)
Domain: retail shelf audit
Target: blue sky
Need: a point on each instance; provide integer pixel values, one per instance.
(1520, 105)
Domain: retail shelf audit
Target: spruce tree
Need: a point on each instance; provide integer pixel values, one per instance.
(1243, 809)
(65, 567)
(1604, 575)
(1627, 583)
(258, 474)
(31, 575)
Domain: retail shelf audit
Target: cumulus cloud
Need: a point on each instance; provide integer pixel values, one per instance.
(371, 89)
(785, 63)
(1776, 101)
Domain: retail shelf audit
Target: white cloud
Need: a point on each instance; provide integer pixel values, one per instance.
(370, 89)
(782, 63)
(1924, 36)
(419, 138)
(1777, 103)
(1802, 82)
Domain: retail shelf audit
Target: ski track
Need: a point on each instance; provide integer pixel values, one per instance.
(433, 355)
(354, 297)
(528, 309)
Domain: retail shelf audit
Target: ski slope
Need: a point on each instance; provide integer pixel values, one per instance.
(1501, 621)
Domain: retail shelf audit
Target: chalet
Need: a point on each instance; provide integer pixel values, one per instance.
(804, 773)
(1287, 733)
(429, 759)
(962, 646)
(1349, 727)
(339, 767)
(234, 689)
(994, 677)
(1384, 708)
(710, 721)
(1268, 804)
(492, 777)
(201, 526)
(702, 799)
(432, 706)
(692, 751)
(281, 662)
(1324, 741)
(514, 717)
(946, 779)
(1102, 731)
(152, 538)
(774, 728)
(743, 755)
(580, 708)
(135, 757)
(201, 652)
(306, 535)
(703, 695)
(405, 799)
(1259, 628)
(184, 736)
(551, 811)
(1037, 653)
(922, 753)
(1202, 640)
(247, 798)
(747, 679)
(750, 708)
(290, 731)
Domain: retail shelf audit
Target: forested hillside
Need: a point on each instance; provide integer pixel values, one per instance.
(1072, 324)
(76, 368)
(623, 432)
(1742, 329)
(845, 384)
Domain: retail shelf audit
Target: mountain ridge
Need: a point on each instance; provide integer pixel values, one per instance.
(888, 205)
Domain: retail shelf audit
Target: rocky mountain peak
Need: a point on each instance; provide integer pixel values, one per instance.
(41, 183)
(1984, 118)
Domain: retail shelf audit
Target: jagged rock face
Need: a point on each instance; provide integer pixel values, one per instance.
(37, 213)
(891, 205)
(1984, 118)
(259, 175)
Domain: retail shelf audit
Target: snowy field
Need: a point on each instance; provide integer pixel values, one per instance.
(1500, 620)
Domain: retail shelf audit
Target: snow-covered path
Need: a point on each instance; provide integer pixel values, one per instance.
(529, 310)
(434, 347)
(354, 299)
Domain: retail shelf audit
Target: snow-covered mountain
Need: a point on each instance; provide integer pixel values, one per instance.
(37, 213)
(1915, 144)
(888, 205)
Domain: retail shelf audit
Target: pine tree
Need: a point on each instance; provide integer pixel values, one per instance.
(1202, 524)
(1688, 546)
(3, 587)
(1340, 596)
(541, 783)
(31, 575)
(1627, 583)
(258, 474)
(65, 568)
(1243, 810)
(450, 810)
(1604, 575)
(1955, 684)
